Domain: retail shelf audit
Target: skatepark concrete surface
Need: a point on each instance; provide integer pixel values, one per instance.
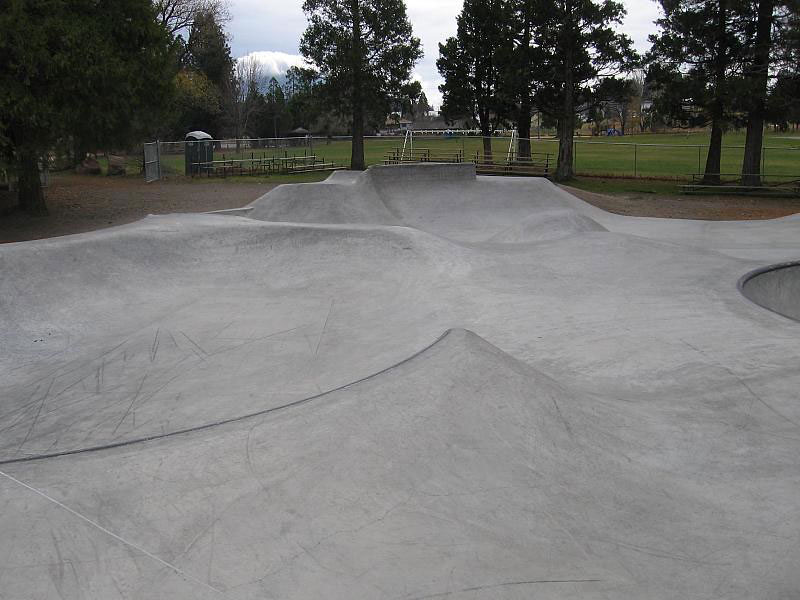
(409, 383)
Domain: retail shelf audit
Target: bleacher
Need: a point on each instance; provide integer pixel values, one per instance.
(539, 164)
(398, 156)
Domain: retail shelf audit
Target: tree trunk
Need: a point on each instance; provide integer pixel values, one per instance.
(714, 159)
(357, 155)
(711, 175)
(751, 164)
(566, 127)
(525, 106)
(566, 132)
(31, 196)
(486, 135)
(759, 79)
(524, 129)
(80, 149)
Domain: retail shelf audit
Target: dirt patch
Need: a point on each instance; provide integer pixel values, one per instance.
(707, 208)
(85, 203)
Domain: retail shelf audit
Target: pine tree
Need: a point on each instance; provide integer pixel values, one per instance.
(473, 66)
(770, 33)
(71, 69)
(523, 73)
(697, 54)
(364, 51)
(582, 50)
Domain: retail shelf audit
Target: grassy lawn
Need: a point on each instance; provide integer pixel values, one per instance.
(677, 156)
(604, 185)
(667, 156)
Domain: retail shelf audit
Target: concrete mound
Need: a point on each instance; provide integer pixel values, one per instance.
(776, 288)
(459, 469)
(446, 200)
(547, 225)
(114, 353)
(466, 209)
(338, 201)
(353, 197)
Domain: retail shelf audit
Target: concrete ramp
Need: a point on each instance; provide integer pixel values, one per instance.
(337, 201)
(444, 199)
(548, 224)
(776, 288)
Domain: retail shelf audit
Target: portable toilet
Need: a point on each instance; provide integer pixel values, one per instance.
(199, 149)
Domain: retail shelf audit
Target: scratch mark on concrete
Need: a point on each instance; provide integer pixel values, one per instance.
(195, 344)
(130, 406)
(324, 327)
(154, 349)
(110, 533)
(505, 584)
(36, 418)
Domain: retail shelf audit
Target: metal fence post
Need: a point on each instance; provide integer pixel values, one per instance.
(574, 155)
(763, 161)
(635, 159)
(699, 159)
(158, 157)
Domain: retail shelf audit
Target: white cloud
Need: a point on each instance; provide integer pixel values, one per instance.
(275, 63)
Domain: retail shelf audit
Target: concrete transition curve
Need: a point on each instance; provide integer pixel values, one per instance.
(261, 403)
(776, 288)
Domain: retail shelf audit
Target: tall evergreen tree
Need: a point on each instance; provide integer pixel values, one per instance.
(303, 105)
(582, 50)
(770, 33)
(72, 69)
(698, 53)
(208, 52)
(523, 74)
(473, 67)
(364, 51)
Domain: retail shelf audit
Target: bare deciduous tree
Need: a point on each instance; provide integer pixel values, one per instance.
(177, 15)
(248, 79)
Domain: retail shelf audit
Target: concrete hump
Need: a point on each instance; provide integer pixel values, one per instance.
(160, 355)
(548, 225)
(460, 442)
(343, 200)
(776, 288)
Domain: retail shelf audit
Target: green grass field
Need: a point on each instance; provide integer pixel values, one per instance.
(667, 156)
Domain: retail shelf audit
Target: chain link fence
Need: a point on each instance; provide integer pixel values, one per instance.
(591, 157)
(151, 162)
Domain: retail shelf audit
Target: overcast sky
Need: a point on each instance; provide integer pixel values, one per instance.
(272, 28)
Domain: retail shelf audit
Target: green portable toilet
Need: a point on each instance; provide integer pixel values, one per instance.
(199, 149)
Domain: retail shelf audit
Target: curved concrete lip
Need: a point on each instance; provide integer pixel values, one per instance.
(766, 299)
